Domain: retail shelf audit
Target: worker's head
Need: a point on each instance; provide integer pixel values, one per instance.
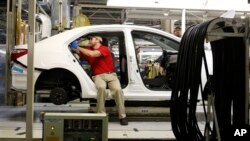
(95, 40)
(177, 31)
(137, 49)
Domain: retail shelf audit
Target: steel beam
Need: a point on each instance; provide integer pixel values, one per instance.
(30, 81)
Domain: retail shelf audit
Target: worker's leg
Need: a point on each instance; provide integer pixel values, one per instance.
(116, 91)
(101, 87)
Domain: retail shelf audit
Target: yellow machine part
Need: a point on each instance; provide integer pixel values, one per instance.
(80, 20)
(21, 32)
(18, 31)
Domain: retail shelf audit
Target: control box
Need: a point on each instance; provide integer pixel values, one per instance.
(75, 127)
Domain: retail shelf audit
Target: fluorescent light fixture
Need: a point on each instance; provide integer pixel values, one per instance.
(128, 23)
(243, 16)
(165, 14)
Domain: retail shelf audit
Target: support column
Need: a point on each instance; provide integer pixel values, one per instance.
(30, 71)
(11, 38)
(183, 21)
(166, 25)
(76, 10)
(247, 97)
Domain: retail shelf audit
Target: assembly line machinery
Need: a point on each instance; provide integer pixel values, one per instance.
(75, 127)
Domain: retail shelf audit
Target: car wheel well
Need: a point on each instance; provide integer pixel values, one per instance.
(57, 77)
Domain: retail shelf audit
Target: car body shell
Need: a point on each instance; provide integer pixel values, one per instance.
(54, 52)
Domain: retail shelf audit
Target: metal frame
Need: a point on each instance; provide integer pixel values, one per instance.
(247, 95)
(146, 15)
(30, 71)
(10, 41)
(216, 34)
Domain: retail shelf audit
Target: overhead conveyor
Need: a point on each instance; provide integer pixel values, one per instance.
(227, 87)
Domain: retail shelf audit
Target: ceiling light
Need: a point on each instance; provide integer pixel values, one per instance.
(243, 16)
(128, 23)
(165, 14)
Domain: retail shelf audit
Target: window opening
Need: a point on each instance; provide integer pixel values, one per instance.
(156, 55)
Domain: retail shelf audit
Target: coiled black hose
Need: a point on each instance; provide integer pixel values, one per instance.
(188, 81)
(229, 82)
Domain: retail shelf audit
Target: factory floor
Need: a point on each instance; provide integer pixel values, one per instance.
(13, 122)
(13, 125)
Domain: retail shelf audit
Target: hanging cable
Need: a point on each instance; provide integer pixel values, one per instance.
(228, 60)
(187, 82)
(229, 82)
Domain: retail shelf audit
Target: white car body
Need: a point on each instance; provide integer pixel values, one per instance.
(54, 53)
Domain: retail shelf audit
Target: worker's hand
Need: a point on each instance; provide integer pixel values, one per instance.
(73, 45)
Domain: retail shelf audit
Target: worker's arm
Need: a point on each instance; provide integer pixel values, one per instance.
(90, 53)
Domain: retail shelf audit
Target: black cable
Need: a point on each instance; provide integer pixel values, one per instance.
(188, 81)
(175, 111)
(229, 82)
(195, 84)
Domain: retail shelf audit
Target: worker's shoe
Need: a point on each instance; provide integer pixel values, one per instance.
(124, 121)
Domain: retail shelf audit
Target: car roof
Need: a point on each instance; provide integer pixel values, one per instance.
(112, 26)
(123, 26)
(78, 30)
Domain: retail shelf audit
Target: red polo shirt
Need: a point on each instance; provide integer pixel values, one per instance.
(102, 64)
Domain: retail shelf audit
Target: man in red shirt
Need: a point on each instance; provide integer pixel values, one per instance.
(103, 74)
